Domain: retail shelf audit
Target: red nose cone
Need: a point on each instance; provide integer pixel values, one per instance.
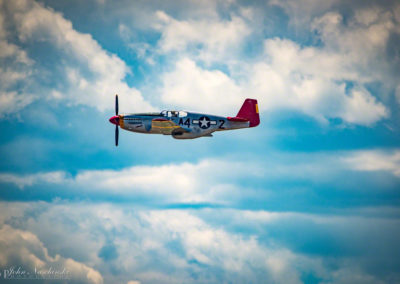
(114, 119)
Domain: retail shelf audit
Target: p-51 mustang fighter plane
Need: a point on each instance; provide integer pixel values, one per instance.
(183, 124)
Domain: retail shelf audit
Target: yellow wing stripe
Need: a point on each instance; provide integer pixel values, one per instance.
(172, 126)
(164, 127)
(256, 108)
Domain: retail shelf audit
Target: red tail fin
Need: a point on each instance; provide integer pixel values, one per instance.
(249, 111)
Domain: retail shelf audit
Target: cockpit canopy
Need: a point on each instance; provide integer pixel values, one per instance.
(173, 113)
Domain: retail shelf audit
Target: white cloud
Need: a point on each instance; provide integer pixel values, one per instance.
(14, 68)
(193, 28)
(216, 247)
(193, 88)
(11, 102)
(362, 108)
(375, 160)
(217, 181)
(90, 75)
(354, 276)
(307, 79)
(354, 51)
(145, 241)
(357, 45)
(56, 177)
(176, 246)
(23, 249)
(209, 40)
(302, 12)
(8, 49)
(325, 81)
(283, 79)
(361, 44)
(206, 181)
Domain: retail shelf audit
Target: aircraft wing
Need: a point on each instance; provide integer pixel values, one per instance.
(166, 126)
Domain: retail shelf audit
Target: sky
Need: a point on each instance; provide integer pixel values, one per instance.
(311, 195)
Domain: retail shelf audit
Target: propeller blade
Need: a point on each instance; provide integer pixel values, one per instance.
(116, 104)
(116, 135)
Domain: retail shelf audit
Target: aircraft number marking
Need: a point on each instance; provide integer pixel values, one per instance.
(187, 122)
(221, 126)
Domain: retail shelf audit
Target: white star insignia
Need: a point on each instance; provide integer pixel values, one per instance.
(203, 122)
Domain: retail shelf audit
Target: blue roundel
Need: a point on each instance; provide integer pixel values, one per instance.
(204, 122)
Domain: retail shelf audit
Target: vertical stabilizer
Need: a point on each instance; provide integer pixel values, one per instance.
(249, 111)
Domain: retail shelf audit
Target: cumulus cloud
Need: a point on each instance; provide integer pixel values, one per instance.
(213, 247)
(326, 81)
(283, 80)
(206, 181)
(85, 73)
(194, 88)
(23, 249)
(190, 27)
(302, 12)
(15, 66)
(29, 180)
(209, 40)
(175, 246)
(226, 182)
(11, 102)
(362, 42)
(9, 49)
(375, 160)
(162, 245)
(329, 80)
(310, 80)
(359, 45)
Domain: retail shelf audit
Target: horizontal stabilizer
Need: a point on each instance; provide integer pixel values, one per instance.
(237, 119)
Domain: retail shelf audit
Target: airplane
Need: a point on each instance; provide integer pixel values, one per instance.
(184, 124)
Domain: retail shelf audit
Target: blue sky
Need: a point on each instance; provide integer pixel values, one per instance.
(311, 195)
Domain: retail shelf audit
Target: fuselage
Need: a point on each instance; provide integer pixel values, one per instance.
(180, 124)
(184, 124)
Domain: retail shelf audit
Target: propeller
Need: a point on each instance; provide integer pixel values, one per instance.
(116, 104)
(116, 135)
(115, 120)
(116, 125)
